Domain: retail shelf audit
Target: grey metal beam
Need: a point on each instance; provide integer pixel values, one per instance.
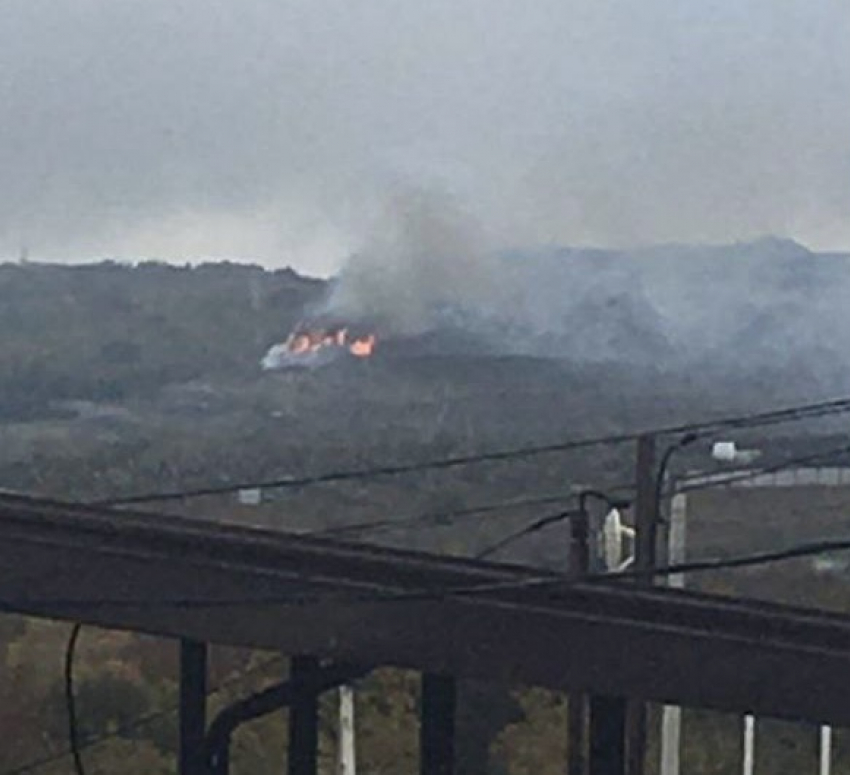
(666, 646)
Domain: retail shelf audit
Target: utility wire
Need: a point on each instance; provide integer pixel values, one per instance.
(754, 473)
(734, 478)
(534, 527)
(798, 551)
(760, 558)
(445, 518)
(363, 473)
(378, 595)
(71, 701)
(441, 519)
(761, 419)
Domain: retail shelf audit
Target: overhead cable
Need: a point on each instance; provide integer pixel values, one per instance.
(71, 701)
(760, 419)
(442, 518)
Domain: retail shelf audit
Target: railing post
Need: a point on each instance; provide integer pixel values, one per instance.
(437, 725)
(303, 722)
(193, 706)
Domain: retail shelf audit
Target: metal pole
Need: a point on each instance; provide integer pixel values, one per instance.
(671, 719)
(608, 717)
(346, 754)
(303, 721)
(825, 750)
(222, 762)
(193, 704)
(607, 735)
(646, 518)
(749, 745)
(437, 725)
(577, 718)
(646, 538)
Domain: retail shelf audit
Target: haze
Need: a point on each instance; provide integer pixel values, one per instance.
(275, 131)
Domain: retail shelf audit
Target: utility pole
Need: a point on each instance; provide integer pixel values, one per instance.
(646, 537)
(749, 754)
(646, 518)
(603, 718)
(825, 751)
(346, 754)
(671, 719)
(577, 711)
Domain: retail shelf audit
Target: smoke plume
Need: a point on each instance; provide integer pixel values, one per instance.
(767, 309)
(424, 259)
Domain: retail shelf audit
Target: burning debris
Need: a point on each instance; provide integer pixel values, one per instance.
(308, 347)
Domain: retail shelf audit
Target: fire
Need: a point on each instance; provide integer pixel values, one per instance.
(364, 346)
(305, 342)
(314, 346)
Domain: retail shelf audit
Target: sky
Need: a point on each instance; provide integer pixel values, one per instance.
(280, 131)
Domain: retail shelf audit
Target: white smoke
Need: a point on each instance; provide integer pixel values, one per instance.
(281, 356)
(766, 307)
(423, 258)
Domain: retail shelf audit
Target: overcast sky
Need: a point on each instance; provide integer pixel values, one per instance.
(274, 129)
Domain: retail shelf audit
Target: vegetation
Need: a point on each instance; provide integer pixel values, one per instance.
(111, 331)
(126, 688)
(167, 359)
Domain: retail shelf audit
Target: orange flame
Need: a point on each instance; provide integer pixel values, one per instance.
(304, 342)
(363, 347)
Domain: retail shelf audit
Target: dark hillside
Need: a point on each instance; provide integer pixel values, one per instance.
(111, 332)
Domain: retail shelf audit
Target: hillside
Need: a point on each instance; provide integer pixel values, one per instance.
(121, 379)
(764, 316)
(109, 332)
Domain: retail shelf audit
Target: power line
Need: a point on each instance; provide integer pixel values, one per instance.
(444, 518)
(761, 419)
(774, 518)
(810, 549)
(534, 527)
(734, 478)
(537, 524)
(547, 520)
(71, 700)
(363, 473)
(760, 558)
(440, 519)
(744, 476)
